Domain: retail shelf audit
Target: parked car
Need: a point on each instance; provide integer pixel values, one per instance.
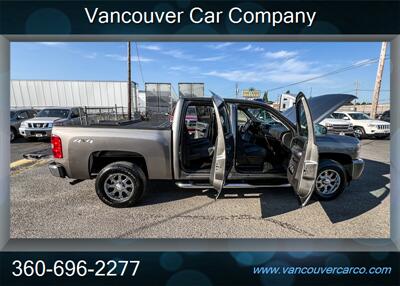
(338, 126)
(267, 149)
(17, 116)
(42, 124)
(363, 125)
(385, 116)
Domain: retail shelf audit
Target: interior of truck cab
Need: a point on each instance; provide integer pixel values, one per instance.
(259, 147)
(198, 138)
(260, 139)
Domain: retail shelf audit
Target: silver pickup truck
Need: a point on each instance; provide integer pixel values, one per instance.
(233, 144)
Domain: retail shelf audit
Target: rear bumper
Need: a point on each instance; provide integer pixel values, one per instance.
(358, 168)
(57, 170)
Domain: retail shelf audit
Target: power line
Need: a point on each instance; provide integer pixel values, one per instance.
(139, 62)
(353, 66)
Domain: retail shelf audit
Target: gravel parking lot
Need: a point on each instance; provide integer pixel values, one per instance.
(43, 206)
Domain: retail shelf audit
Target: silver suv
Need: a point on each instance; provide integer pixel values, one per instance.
(42, 124)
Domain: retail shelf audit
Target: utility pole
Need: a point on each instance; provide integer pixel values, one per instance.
(378, 81)
(129, 83)
(237, 90)
(357, 83)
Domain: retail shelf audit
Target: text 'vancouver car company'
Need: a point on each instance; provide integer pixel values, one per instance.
(234, 143)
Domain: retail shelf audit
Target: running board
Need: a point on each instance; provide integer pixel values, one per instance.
(229, 186)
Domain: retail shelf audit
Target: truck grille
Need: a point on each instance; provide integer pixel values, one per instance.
(37, 125)
(383, 127)
(341, 127)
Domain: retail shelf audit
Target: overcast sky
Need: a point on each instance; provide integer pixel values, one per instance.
(220, 65)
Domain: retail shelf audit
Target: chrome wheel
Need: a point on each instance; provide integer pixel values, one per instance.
(328, 182)
(358, 133)
(119, 187)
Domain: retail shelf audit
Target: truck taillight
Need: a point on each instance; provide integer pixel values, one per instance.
(56, 147)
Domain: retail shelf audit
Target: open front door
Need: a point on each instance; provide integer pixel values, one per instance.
(223, 150)
(303, 165)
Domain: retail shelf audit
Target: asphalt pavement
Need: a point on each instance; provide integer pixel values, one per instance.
(43, 206)
(21, 146)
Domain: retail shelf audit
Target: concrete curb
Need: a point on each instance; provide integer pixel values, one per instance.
(21, 163)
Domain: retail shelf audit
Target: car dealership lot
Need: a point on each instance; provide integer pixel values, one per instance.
(43, 206)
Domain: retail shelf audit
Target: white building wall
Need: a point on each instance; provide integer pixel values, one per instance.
(41, 93)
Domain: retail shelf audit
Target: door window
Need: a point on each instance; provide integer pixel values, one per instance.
(74, 113)
(302, 126)
(23, 115)
(264, 116)
(198, 121)
(32, 113)
(224, 120)
(242, 118)
(338, 115)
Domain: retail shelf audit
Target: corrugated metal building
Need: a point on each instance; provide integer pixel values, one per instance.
(42, 93)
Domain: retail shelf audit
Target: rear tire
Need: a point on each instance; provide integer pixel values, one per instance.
(359, 132)
(331, 180)
(121, 184)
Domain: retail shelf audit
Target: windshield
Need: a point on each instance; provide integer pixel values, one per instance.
(62, 113)
(12, 114)
(359, 116)
(263, 115)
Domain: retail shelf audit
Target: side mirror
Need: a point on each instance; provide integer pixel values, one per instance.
(346, 118)
(320, 129)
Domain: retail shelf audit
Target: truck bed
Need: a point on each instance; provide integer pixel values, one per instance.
(124, 124)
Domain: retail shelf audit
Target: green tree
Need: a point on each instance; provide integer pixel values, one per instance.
(265, 97)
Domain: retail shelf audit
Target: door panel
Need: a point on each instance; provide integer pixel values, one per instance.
(303, 165)
(223, 150)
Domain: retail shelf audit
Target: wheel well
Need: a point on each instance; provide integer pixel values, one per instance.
(341, 158)
(98, 160)
(13, 128)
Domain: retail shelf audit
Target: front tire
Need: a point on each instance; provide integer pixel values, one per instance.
(331, 180)
(359, 132)
(13, 134)
(121, 184)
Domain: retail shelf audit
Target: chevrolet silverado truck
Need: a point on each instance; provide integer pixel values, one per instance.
(234, 143)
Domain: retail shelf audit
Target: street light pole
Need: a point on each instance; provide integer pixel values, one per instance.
(129, 83)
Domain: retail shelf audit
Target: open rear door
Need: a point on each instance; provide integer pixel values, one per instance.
(303, 165)
(223, 150)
